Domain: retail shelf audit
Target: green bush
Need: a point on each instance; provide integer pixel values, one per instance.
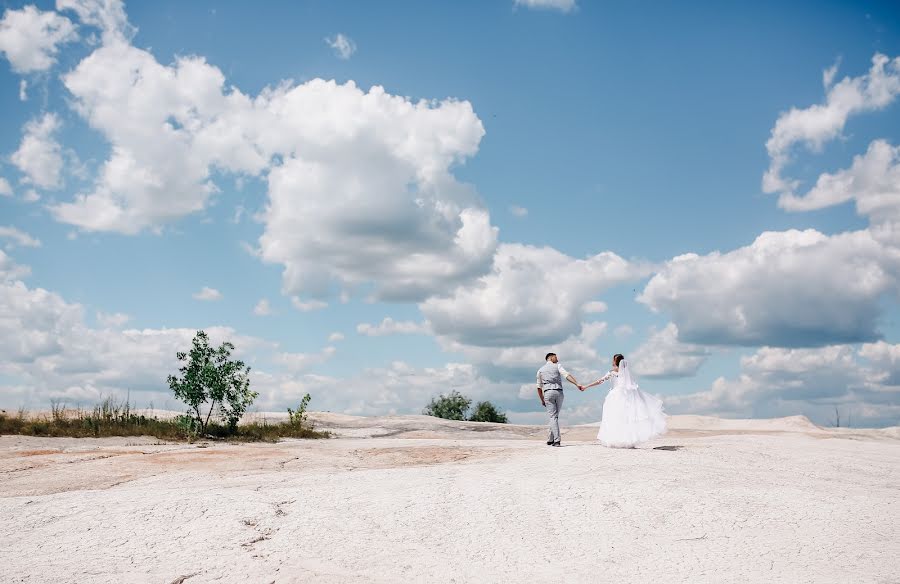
(486, 412)
(455, 405)
(209, 378)
(448, 407)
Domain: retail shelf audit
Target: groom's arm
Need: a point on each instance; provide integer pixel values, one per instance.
(540, 388)
(568, 375)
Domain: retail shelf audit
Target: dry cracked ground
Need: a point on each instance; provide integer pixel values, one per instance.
(415, 499)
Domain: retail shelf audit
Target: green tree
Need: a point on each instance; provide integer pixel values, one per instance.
(449, 407)
(298, 417)
(210, 377)
(486, 412)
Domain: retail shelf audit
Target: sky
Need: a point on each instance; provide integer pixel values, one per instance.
(380, 202)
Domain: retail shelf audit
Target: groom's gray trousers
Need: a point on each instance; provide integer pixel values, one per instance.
(554, 400)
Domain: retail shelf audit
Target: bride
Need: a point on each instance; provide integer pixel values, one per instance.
(630, 416)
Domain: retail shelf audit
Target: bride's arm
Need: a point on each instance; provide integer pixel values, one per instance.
(599, 381)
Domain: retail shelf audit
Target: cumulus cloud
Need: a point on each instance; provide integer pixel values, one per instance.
(623, 331)
(872, 181)
(389, 326)
(262, 308)
(372, 175)
(112, 320)
(307, 306)
(531, 295)
(10, 270)
(560, 5)
(577, 352)
(792, 289)
(23, 90)
(343, 46)
(812, 382)
(295, 362)
(17, 237)
(5, 188)
(107, 15)
(49, 348)
(518, 211)
(207, 294)
(372, 171)
(39, 156)
(664, 355)
(30, 38)
(166, 127)
(335, 337)
(829, 74)
(820, 123)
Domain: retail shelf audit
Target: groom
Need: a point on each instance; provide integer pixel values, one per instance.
(550, 392)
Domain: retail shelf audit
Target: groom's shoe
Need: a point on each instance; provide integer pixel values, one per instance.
(556, 444)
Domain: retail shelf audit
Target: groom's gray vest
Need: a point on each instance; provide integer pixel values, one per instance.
(550, 376)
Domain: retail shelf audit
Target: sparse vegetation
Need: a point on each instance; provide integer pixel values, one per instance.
(113, 418)
(455, 405)
(210, 379)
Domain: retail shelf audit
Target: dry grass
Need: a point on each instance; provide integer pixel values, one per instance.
(114, 418)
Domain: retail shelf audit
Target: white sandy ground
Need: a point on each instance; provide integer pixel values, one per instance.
(416, 499)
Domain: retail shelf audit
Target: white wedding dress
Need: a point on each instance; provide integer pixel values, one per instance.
(630, 416)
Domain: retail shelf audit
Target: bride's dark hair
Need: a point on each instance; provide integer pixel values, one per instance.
(617, 357)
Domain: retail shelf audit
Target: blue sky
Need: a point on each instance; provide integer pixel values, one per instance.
(714, 193)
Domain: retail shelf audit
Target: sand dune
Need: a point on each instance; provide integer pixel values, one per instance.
(412, 498)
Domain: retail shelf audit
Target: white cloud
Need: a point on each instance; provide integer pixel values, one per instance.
(813, 382)
(5, 188)
(335, 337)
(531, 296)
(829, 74)
(30, 38)
(115, 320)
(516, 362)
(262, 308)
(820, 123)
(39, 155)
(398, 220)
(663, 355)
(594, 307)
(372, 174)
(107, 15)
(208, 294)
(792, 288)
(23, 90)
(307, 306)
(18, 237)
(873, 182)
(623, 331)
(343, 46)
(10, 270)
(31, 196)
(389, 326)
(295, 362)
(403, 389)
(561, 5)
(166, 127)
(518, 211)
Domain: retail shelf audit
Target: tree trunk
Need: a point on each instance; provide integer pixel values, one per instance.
(211, 408)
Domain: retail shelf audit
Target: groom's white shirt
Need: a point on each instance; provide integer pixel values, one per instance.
(562, 375)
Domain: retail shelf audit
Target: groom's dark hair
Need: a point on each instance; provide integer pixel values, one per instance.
(548, 356)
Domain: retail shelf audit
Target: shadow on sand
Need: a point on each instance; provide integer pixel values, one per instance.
(667, 447)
